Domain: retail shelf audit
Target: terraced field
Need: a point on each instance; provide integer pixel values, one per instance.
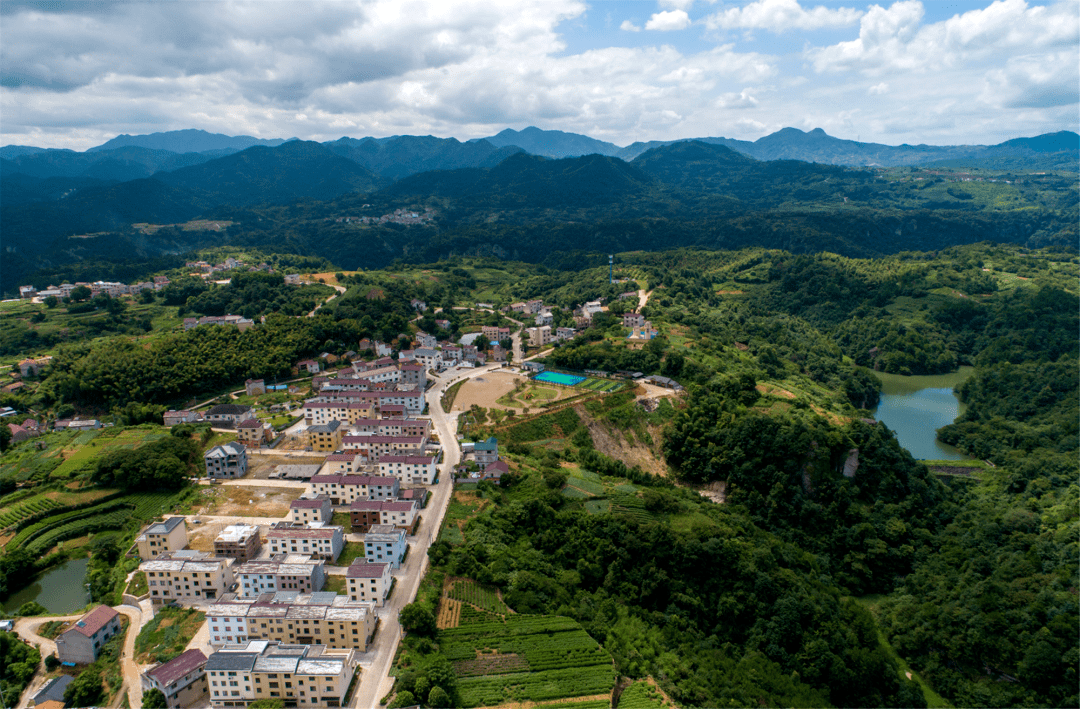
(526, 658)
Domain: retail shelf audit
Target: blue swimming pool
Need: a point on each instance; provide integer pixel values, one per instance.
(567, 380)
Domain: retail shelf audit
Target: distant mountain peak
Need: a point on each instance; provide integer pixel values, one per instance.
(188, 140)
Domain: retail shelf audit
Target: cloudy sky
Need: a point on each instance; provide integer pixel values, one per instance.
(74, 74)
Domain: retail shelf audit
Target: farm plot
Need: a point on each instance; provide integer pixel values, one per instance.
(473, 593)
(41, 536)
(526, 658)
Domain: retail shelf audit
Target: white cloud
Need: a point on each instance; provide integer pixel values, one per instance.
(1034, 82)
(677, 4)
(78, 75)
(893, 39)
(668, 20)
(628, 26)
(743, 99)
(782, 16)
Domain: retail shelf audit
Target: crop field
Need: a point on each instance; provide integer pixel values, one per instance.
(641, 695)
(42, 535)
(70, 453)
(526, 658)
(473, 593)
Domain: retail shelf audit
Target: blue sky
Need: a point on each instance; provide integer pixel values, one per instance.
(74, 74)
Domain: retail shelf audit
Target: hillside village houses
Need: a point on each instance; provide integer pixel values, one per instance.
(240, 674)
(317, 540)
(365, 514)
(281, 572)
(82, 641)
(186, 575)
(182, 679)
(303, 618)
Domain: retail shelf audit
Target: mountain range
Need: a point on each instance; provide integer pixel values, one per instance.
(47, 196)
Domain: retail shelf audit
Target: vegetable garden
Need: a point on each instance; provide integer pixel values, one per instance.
(524, 658)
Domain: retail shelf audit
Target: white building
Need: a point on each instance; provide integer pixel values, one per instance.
(368, 581)
(386, 544)
(416, 469)
(314, 540)
(282, 572)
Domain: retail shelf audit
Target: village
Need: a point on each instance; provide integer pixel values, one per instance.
(321, 514)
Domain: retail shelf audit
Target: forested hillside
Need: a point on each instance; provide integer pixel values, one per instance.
(500, 201)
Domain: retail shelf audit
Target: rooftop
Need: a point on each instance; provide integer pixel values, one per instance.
(94, 621)
(165, 527)
(174, 669)
(363, 569)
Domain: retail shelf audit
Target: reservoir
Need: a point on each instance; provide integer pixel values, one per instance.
(60, 590)
(915, 407)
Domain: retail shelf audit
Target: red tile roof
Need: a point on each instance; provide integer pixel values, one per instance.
(174, 669)
(94, 621)
(365, 570)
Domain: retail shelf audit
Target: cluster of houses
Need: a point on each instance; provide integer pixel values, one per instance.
(267, 616)
(114, 290)
(238, 321)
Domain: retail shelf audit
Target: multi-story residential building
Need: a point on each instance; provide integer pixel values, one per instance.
(342, 463)
(633, 320)
(493, 333)
(281, 572)
(228, 414)
(320, 542)
(565, 333)
(315, 618)
(368, 581)
(544, 318)
(426, 340)
(428, 357)
(309, 366)
(485, 452)
(365, 514)
(229, 460)
(393, 427)
(238, 541)
(413, 374)
(343, 489)
(325, 436)
(539, 336)
(385, 543)
(185, 575)
(373, 447)
(83, 640)
(169, 535)
(417, 469)
(317, 413)
(254, 433)
(311, 509)
(182, 679)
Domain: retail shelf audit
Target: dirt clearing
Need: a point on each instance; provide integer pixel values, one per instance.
(486, 390)
(250, 501)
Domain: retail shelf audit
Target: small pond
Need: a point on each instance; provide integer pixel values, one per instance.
(915, 407)
(61, 590)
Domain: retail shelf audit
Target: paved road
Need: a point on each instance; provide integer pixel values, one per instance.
(375, 681)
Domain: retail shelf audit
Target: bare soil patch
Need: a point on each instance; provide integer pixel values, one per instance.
(485, 391)
(251, 501)
(612, 443)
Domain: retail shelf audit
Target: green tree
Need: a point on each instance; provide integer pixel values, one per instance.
(154, 699)
(417, 618)
(438, 698)
(403, 699)
(86, 690)
(51, 301)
